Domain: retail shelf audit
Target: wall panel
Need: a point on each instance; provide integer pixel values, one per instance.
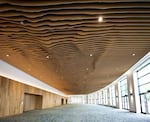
(12, 97)
(32, 101)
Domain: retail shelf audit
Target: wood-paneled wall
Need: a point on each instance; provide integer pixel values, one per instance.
(12, 97)
(32, 101)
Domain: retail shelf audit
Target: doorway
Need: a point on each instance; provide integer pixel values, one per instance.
(62, 101)
(124, 94)
(32, 102)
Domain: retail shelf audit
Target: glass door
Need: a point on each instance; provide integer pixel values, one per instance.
(145, 102)
(124, 94)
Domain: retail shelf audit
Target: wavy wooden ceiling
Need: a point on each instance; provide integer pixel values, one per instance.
(61, 42)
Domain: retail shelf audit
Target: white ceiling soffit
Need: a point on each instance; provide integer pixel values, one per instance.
(13, 73)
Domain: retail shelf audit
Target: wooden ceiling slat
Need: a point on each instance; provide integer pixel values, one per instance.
(58, 39)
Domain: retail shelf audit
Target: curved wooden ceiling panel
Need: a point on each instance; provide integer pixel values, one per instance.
(63, 44)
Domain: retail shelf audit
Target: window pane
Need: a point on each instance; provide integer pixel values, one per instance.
(144, 88)
(144, 71)
(148, 101)
(112, 96)
(145, 102)
(145, 79)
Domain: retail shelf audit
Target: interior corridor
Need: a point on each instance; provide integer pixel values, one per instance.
(78, 113)
(74, 60)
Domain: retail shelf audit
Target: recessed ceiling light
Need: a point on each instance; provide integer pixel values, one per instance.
(87, 68)
(7, 55)
(91, 55)
(133, 54)
(47, 56)
(100, 19)
(22, 23)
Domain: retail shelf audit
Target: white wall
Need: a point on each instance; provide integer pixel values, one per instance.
(77, 99)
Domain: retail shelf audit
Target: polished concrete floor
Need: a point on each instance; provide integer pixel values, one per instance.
(78, 113)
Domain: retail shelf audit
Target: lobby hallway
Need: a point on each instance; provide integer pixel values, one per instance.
(78, 113)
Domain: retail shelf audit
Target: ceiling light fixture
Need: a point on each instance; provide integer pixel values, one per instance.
(100, 19)
(133, 54)
(87, 68)
(22, 23)
(7, 55)
(91, 55)
(47, 56)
